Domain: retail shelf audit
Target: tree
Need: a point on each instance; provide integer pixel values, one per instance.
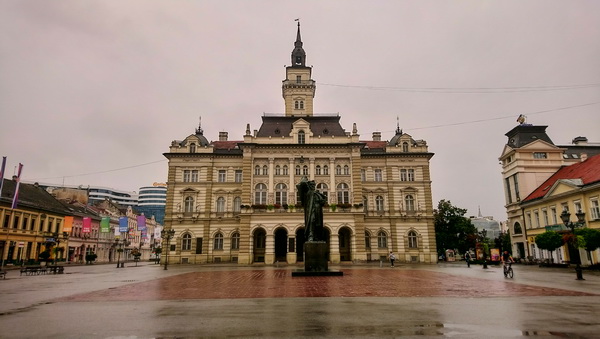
(452, 229)
(591, 236)
(550, 241)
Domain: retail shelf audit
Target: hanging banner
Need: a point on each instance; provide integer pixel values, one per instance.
(87, 225)
(16, 197)
(123, 225)
(68, 226)
(105, 225)
(141, 222)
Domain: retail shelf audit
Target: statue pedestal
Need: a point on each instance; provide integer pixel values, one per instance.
(315, 261)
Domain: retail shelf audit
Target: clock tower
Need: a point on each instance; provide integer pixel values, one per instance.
(298, 88)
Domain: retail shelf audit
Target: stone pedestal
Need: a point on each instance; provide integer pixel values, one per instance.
(315, 261)
(315, 256)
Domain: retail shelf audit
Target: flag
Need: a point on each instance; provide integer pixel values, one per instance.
(16, 197)
(68, 224)
(2, 174)
(105, 225)
(141, 222)
(123, 225)
(87, 225)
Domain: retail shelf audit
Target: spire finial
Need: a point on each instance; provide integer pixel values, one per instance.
(199, 129)
(298, 54)
(398, 130)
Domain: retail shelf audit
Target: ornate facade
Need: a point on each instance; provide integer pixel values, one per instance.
(235, 201)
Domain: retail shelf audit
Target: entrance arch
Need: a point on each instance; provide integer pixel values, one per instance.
(344, 237)
(260, 241)
(281, 236)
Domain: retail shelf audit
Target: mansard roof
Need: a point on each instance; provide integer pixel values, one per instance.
(588, 171)
(324, 126)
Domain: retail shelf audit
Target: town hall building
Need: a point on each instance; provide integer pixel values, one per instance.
(236, 200)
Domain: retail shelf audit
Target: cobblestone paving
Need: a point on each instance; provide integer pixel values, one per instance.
(280, 284)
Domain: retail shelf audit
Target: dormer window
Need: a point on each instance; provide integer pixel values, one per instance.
(405, 146)
(192, 148)
(301, 137)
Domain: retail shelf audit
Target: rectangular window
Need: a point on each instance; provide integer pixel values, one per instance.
(508, 193)
(16, 221)
(540, 155)
(187, 175)
(238, 176)
(516, 182)
(222, 176)
(363, 175)
(577, 205)
(378, 175)
(411, 175)
(553, 215)
(194, 175)
(403, 175)
(529, 220)
(594, 209)
(536, 214)
(545, 216)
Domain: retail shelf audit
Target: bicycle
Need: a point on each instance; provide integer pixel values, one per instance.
(508, 271)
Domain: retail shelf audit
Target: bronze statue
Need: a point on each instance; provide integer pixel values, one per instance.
(312, 201)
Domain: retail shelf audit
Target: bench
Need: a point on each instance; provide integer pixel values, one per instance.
(33, 270)
(56, 269)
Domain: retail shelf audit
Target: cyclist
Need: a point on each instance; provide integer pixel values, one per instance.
(507, 260)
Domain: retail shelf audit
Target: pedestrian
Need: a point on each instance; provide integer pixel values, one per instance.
(392, 258)
(468, 258)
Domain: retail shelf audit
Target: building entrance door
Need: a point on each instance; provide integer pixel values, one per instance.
(344, 237)
(260, 237)
(281, 245)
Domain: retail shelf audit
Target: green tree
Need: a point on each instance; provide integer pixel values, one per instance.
(550, 241)
(452, 229)
(591, 236)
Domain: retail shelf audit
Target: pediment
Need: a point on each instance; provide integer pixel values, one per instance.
(539, 145)
(563, 186)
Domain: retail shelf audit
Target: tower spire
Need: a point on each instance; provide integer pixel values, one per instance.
(199, 129)
(298, 54)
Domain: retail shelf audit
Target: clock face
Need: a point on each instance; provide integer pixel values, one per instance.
(298, 60)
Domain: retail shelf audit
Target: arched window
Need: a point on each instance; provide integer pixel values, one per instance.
(367, 239)
(318, 170)
(192, 148)
(235, 241)
(321, 187)
(325, 170)
(281, 194)
(237, 204)
(218, 244)
(301, 137)
(186, 242)
(346, 170)
(298, 170)
(301, 104)
(260, 194)
(265, 170)
(405, 146)
(220, 204)
(285, 170)
(277, 170)
(343, 193)
(379, 203)
(518, 229)
(382, 239)
(257, 170)
(409, 202)
(189, 204)
(305, 170)
(338, 170)
(413, 239)
(296, 104)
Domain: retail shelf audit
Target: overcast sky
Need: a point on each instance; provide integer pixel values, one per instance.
(93, 92)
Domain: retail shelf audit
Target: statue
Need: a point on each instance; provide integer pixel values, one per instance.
(312, 201)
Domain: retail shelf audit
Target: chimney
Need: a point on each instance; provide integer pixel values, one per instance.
(376, 136)
(580, 141)
(222, 136)
(583, 156)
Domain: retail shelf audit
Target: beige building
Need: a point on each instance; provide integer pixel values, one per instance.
(528, 159)
(235, 201)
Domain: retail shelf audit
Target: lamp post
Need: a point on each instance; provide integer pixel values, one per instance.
(167, 235)
(483, 240)
(119, 244)
(565, 216)
(56, 238)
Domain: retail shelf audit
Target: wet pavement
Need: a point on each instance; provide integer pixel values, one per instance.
(369, 301)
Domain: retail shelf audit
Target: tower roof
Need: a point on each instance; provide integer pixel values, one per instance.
(298, 54)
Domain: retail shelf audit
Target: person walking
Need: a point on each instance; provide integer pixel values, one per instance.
(468, 258)
(392, 258)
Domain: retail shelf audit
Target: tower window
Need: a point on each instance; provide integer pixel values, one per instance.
(298, 78)
(301, 137)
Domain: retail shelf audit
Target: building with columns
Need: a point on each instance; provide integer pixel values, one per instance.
(236, 201)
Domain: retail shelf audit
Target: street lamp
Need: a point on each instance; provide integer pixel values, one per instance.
(565, 216)
(167, 235)
(119, 244)
(483, 240)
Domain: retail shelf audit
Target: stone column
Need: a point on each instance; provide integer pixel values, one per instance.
(270, 249)
(332, 182)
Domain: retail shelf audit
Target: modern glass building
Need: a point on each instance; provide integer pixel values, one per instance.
(152, 200)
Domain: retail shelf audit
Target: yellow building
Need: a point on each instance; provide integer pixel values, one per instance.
(572, 188)
(36, 223)
(235, 201)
